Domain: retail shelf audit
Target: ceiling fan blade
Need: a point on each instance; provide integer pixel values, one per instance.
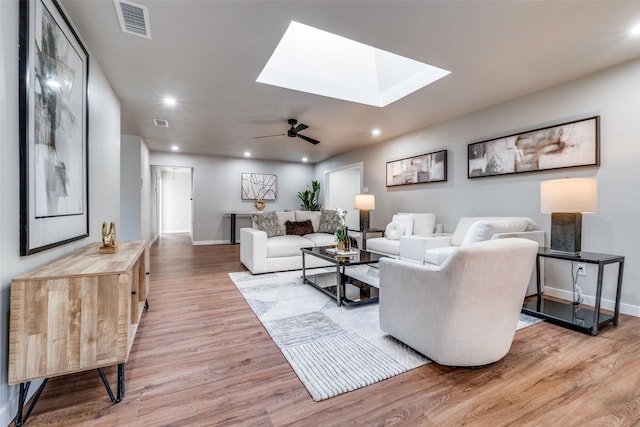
(311, 140)
(269, 136)
(299, 128)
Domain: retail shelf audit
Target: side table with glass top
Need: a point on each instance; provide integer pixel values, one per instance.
(568, 314)
(343, 282)
(364, 231)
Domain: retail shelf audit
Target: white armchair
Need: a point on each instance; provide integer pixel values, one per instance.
(463, 312)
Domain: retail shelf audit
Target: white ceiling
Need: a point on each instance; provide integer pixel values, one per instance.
(208, 54)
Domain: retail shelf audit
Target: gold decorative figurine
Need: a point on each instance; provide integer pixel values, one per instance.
(108, 239)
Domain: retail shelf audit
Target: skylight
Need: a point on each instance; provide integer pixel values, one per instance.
(322, 63)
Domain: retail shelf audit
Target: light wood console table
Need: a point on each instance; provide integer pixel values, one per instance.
(78, 313)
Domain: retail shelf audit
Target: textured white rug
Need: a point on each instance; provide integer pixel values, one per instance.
(332, 349)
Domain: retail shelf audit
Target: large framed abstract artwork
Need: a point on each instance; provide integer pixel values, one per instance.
(259, 186)
(430, 167)
(565, 145)
(54, 70)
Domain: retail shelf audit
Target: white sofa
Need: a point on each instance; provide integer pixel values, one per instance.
(437, 249)
(262, 254)
(463, 312)
(402, 224)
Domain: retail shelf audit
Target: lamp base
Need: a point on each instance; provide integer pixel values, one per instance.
(566, 232)
(364, 219)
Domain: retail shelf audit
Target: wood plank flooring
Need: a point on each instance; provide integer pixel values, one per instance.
(201, 358)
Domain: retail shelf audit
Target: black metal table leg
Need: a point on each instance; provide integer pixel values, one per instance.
(120, 390)
(24, 390)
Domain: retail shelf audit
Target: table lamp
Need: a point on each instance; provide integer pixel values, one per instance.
(566, 200)
(364, 202)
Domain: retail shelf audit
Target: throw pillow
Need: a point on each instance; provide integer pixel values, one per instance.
(329, 221)
(299, 228)
(267, 222)
(394, 230)
(479, 231)
(407, 221)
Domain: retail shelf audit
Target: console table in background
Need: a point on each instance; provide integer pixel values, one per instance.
(233, 216)
(571, 315)
(78, 313)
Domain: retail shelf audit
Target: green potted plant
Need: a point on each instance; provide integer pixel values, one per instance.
(310, 197)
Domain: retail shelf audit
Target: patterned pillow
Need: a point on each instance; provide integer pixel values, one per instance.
(267, 222)
(299, 228)
(329, 221)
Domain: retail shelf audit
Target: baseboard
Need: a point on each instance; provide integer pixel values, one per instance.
(10, 406)
(5, 416)
(632, 310)
(209, 242)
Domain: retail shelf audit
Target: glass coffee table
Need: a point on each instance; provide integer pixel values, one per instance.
(355, 279)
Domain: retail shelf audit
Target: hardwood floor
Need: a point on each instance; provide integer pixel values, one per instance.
(202, 358)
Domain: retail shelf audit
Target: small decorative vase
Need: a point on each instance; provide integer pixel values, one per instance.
(341, 245)
(259, 204)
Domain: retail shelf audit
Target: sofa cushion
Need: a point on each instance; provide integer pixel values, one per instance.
(299, 228)
(329, 221)
(423, 223)
(508, 224)
(384, 245)
(394, 230)
(437, 256)
(314, 216)
(267, 222)
(321, 239)
(483, 230)
(406, 220)
(283, 217)
(283, 246)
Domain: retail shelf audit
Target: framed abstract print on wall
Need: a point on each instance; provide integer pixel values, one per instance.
(54, 71)
(565, 145)
(425, 168)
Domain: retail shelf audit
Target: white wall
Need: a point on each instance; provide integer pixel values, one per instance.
(176, 201)
(146, 231)
(614, 94)
(104, 180)
(135, 189)
(129, 227)
(216, 190)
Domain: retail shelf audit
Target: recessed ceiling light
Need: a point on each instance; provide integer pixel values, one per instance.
(175, 148)
(330, 65)
(247, 154)
(635, 30)
(304, 159)
(170, 101)
(375, 132)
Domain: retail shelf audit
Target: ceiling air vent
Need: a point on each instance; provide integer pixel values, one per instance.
(134, 18)
(161, 123)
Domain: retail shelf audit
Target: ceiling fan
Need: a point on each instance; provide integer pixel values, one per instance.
(293, 132)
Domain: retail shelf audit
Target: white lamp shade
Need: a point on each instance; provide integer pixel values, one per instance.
(569, 195)
(366, 202)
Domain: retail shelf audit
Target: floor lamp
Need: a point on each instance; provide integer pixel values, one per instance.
(566, 200)
(364, 202)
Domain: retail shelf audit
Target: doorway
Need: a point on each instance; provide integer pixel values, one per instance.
(341, 185)
(174, 199)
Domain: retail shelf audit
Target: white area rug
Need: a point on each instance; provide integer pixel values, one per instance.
(332, 349)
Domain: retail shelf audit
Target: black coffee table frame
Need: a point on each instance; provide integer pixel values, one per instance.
(342, 278)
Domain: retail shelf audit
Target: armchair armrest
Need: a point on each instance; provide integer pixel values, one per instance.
(413, 247)
(253, 249)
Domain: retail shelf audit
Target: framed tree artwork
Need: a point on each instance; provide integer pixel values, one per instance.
(54, 69)
(259, 186)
